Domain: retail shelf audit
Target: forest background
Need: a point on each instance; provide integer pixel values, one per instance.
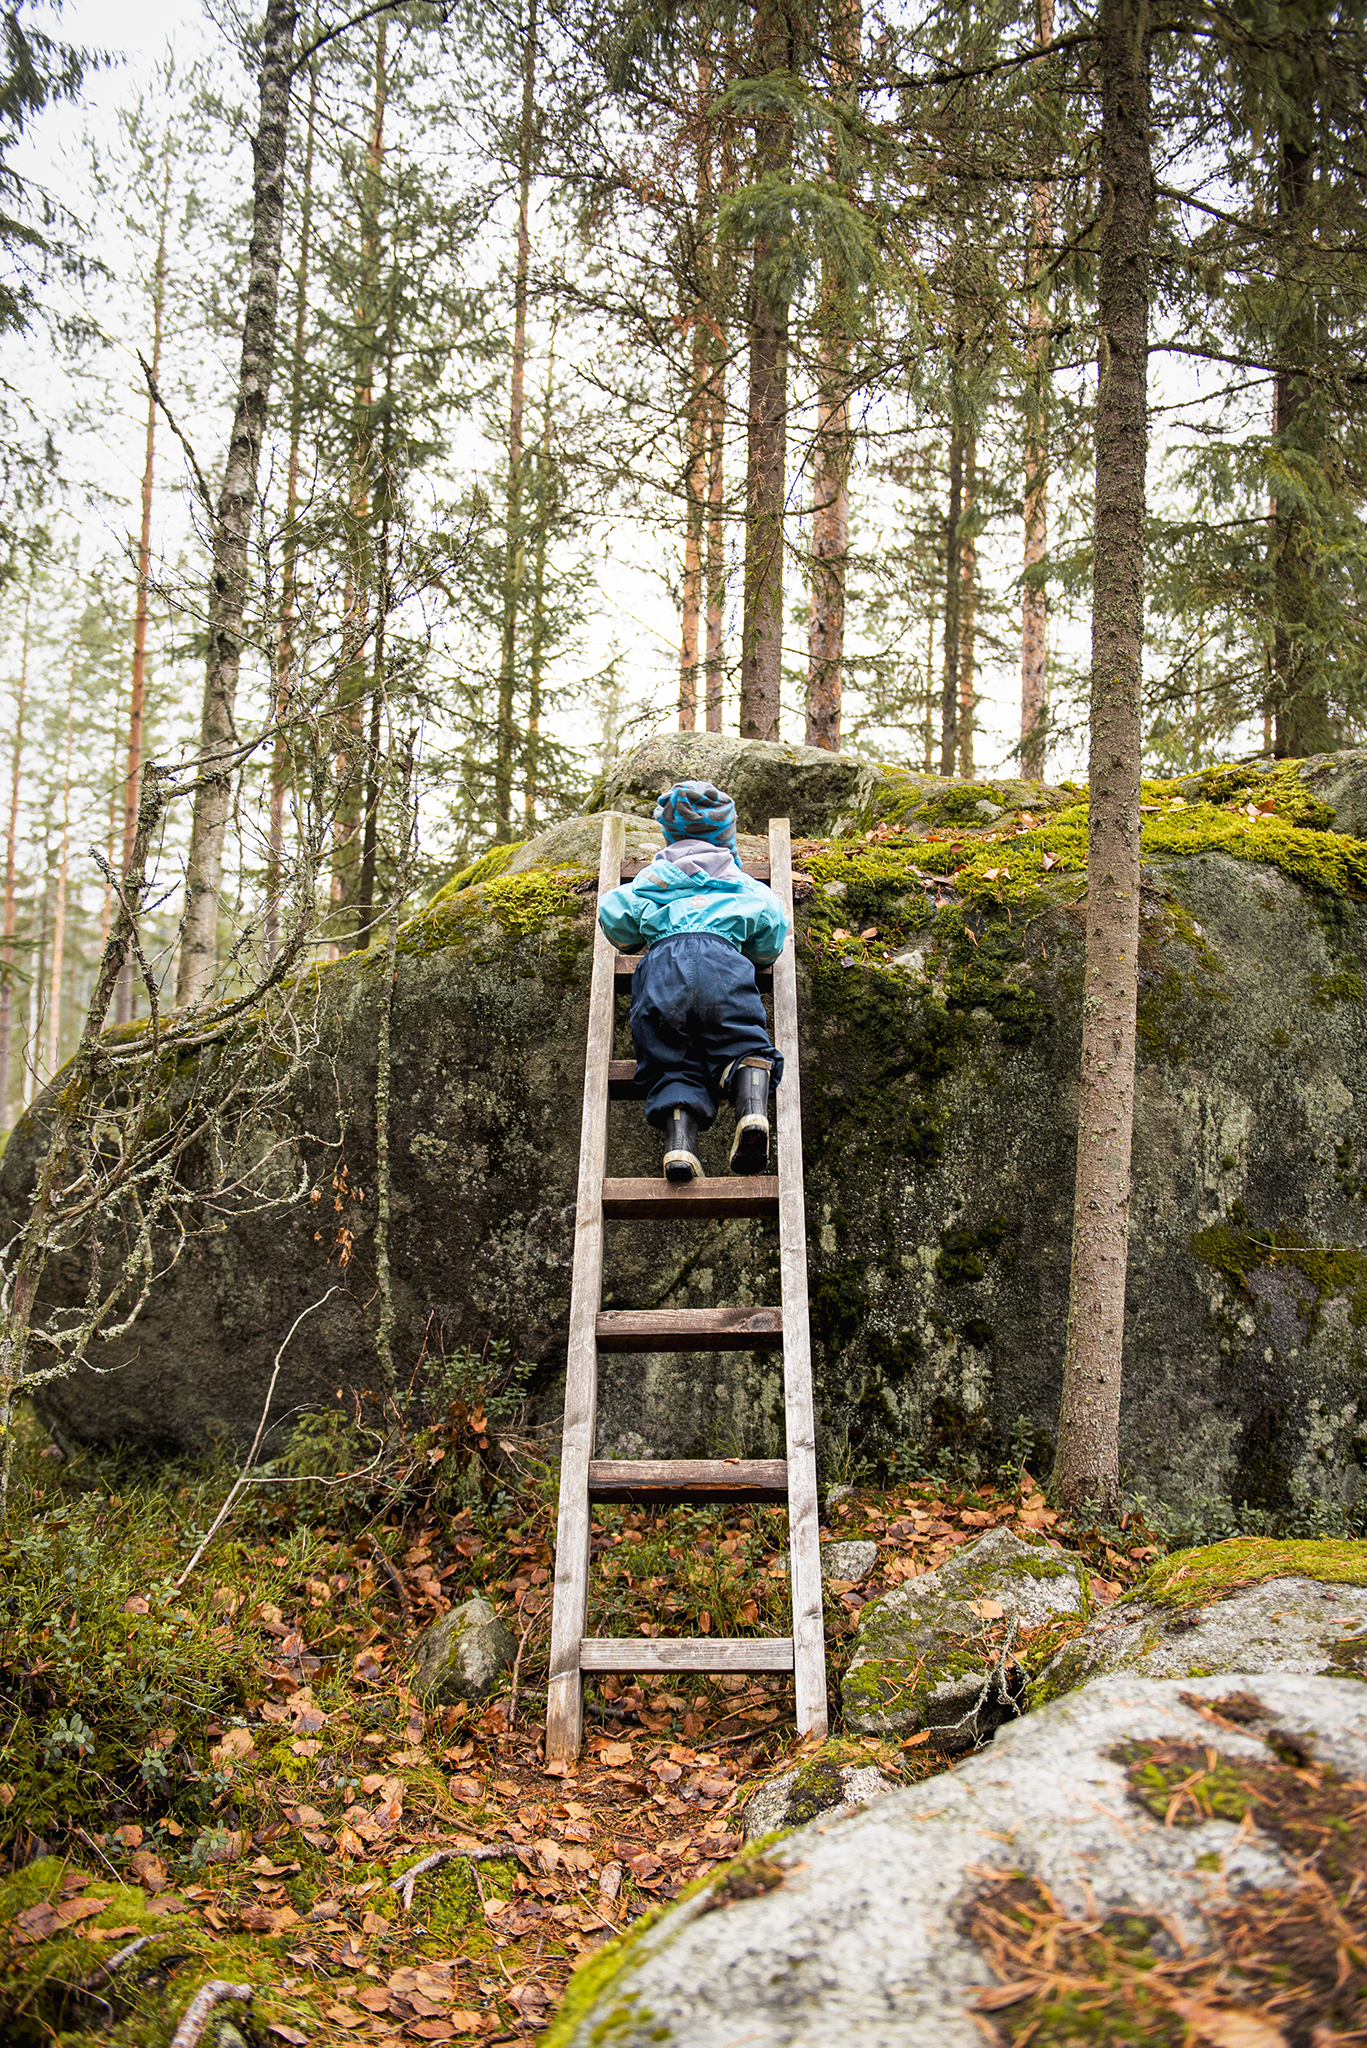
(728, 366)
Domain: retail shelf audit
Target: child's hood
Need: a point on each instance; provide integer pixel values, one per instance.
(699, 857)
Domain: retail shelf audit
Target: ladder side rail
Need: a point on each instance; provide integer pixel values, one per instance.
(804, 1540)
(569, 1620)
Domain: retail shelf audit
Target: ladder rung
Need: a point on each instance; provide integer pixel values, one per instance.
(685, 1653)
(657, 1481)
(743, 1195)
(622, 1081)
(626, 967)
(690, 1329)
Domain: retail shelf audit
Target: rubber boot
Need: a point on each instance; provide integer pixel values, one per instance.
(681, 1146)
(750, 1098)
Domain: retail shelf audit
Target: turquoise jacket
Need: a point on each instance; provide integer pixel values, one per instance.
(694, 887)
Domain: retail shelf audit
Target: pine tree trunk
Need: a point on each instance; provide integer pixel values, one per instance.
(286, 652)
(831, 467)
(539, 635)
(830, 542)
(949, 697)
(766, 415)
(384, 599)
(1302, 721)
(113, 836)
(1034, 599)
(716, 539)
(11, 873)
(54, 1009)
(505, 738)
(348, 832)
(968, 615)
(228, 581)
(1087, 1468)
(694, 512)
(123, 1000)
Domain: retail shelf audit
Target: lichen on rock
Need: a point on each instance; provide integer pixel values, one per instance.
(936, 1653)
(463, 1656)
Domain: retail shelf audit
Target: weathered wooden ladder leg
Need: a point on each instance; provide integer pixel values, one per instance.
(657, 1482)
(804, 1541)
(565, 1701)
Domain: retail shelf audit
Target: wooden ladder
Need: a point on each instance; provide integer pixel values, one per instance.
(657, 1482)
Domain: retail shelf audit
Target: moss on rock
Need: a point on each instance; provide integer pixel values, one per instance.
(1193, 1578)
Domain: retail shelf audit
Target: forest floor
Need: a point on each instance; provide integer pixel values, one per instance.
(226, 1774)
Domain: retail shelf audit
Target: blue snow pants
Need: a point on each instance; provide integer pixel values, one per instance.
(695, 1009)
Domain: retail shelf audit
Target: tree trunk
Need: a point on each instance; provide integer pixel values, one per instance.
(968, 614)
(949, 697)
(286, 652)
(1087, 1469)
(123, 1000)
(348, 836)
(716, 538)
(694, 486)
(1034, 599)
(767, 412)
(113, 836)
(831, 465)
(379, 692)
(830, 542)
(1303, 724)
(228, 582)
(11, 871)
(513, 550)
(536, 667)
(54, 1008)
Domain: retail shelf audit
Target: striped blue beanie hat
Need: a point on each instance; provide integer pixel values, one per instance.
(697, 810)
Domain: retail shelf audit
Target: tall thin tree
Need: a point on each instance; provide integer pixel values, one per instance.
(1087, 1467)
(772, 59)
(287, 655)
(7, 935)
(229, 578)
(1034, 599)
(123, 997)
(505, 738)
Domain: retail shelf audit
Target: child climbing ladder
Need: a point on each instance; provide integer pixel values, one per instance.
(697, 1022)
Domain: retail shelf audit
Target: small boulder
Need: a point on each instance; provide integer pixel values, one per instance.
(848, 1561)
(937, 1652)
(824, 1784)
(1236, 1606)
(463, 1656)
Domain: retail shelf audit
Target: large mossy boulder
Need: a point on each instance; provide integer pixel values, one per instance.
(1246, 1605)
(940, 1057)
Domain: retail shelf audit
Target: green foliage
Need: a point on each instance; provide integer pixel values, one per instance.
(108, 1677)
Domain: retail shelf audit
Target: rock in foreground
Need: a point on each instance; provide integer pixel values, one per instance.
(859, 1930)
(935, 1654)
